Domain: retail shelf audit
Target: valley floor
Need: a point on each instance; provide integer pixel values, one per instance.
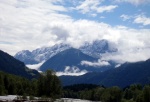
(10, 98)
(73, 100)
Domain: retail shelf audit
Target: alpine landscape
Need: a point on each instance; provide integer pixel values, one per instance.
(74, 51)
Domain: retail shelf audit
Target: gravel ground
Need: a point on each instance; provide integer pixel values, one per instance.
(8, 97)
(73, 100)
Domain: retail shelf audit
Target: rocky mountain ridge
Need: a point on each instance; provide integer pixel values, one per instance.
(94, 49)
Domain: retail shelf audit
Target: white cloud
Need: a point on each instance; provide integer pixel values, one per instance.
(33, 24)
(118, 65)
(128, 56)
(106, 8)
(134, 2)
(102, 17)
(72, 71)
(99, 63)
(133, 46)
(35, 66)
(23, 23)
(94, 15)
(142, 19)
(125, 17)
(138, 19)
(88, 6)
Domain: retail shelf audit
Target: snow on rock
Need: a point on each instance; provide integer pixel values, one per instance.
(41, 54)
(97, 47)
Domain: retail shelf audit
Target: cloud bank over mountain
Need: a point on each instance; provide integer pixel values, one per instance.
(31, 24)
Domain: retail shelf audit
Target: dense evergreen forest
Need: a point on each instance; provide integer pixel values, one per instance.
(48, 85)
(133, 93)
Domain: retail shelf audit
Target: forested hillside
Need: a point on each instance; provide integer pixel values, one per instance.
(11, 65)
(126, 74)
(132, 93)
(47, 85)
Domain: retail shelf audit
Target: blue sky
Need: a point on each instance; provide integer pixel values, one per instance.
(113, 16)
(31, 24)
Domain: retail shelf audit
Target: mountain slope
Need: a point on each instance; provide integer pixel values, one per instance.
(13, 66)
(26, 56)
(126, 74)
(40, 54)
(94, 49)
(97, 47)
(70, 57)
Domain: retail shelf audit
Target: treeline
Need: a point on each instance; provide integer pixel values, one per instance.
(47, 85)
(133, 93)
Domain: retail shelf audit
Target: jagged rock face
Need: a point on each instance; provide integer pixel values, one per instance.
(40, 54)
(94, 49)
(97, 48)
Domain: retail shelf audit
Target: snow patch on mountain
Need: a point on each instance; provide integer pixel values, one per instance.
(97, 47)
(41, 54)
(34, 59)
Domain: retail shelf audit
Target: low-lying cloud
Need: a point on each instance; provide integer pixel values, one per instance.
(99, 63)
(35, 66)
(129, 55)
(72, 71)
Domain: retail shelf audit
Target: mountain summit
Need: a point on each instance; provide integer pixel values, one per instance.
(94, 49)
(40, 54)
(70, 57)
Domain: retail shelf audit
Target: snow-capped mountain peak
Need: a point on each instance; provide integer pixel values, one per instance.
(94, 49)
(40, 54)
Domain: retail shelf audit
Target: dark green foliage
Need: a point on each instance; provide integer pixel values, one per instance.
(2, 88)
(78, 91)
(96, 93)
(79, 87)
(136, 93)
(47, 85)
(11, 84)
(146, 94)
(24, 96)
(113, 94)
(133, 93)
